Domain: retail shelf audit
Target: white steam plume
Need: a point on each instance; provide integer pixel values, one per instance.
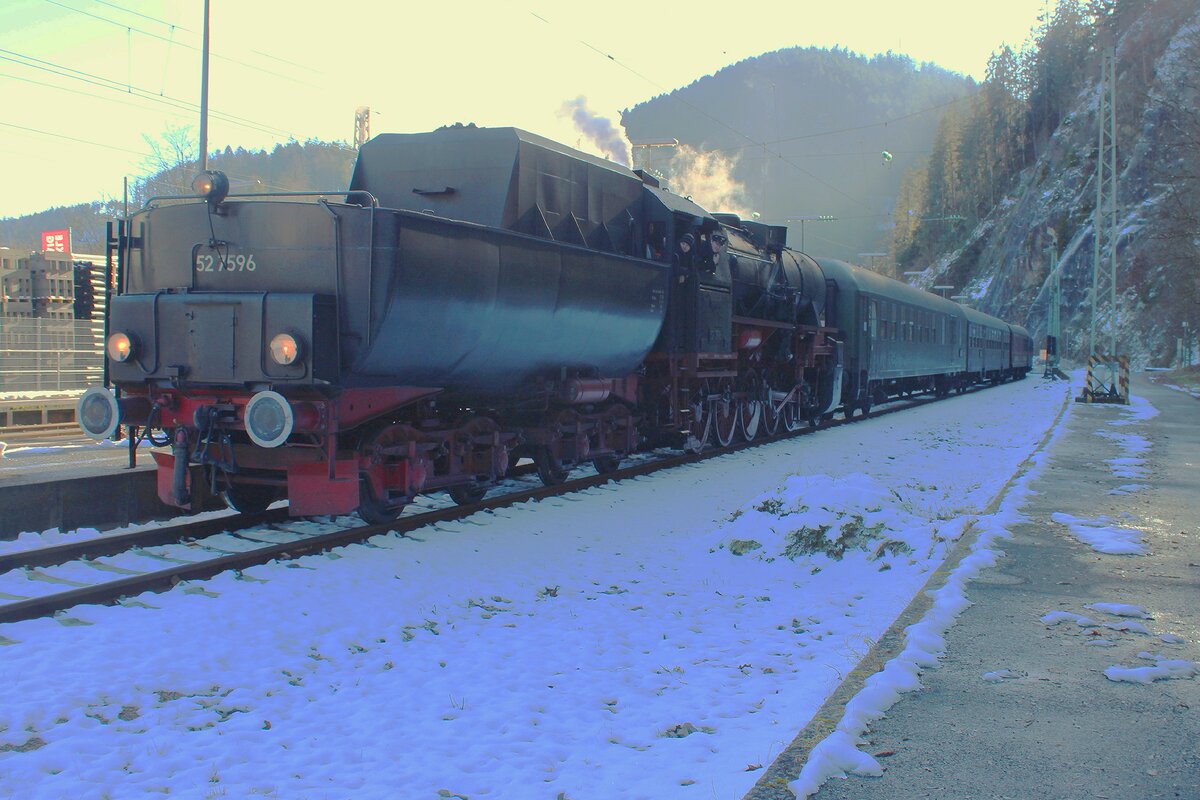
(707, 178)
(600, 130)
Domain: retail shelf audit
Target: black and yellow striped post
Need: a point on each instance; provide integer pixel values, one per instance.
(1096, 389)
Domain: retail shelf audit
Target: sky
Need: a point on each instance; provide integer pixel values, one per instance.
(84, 82)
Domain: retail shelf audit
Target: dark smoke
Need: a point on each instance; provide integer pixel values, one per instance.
(604, 134)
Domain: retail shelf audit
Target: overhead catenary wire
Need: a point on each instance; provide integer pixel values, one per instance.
(176, 26)
(146, 94)
(75, 139)
(143, 16)
(162, 38)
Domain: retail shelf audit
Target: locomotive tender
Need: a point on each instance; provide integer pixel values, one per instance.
(480, 296)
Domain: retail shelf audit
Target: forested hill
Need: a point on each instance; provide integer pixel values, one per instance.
(829, 119)
(295, 166)
(1018, 166)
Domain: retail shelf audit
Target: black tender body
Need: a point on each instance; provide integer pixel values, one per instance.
(513, 265)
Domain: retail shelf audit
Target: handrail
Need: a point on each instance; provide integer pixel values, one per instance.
(374, 200)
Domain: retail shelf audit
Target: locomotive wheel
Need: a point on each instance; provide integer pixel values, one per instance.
(467, 494)
(613, 431)
(376, 510)
(607, 463)
(725, 417)
(750, 410)
(771, 419)
(249, 498)
(549, 468)
(373, 510)
(750, 416)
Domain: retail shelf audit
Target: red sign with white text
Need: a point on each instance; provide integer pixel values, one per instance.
(56, 241)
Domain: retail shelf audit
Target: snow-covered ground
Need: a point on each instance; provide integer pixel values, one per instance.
(665, 637)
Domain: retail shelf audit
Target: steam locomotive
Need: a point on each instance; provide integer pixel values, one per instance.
(479, 296)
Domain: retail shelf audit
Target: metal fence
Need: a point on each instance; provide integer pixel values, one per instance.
(44, 355)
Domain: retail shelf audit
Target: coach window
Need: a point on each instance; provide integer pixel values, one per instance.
(872, 314)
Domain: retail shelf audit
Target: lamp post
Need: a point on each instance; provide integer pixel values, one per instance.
(809, 218)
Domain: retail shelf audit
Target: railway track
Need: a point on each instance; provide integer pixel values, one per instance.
(200, 549)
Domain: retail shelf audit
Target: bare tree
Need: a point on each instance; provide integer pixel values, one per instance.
(171, 164)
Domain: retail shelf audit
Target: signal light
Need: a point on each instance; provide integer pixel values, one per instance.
(285, 349)
(212, 185)
(119, 346)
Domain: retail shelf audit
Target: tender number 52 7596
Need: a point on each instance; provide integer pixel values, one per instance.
(208, 262)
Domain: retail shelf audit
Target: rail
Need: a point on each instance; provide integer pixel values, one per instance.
(262, 526)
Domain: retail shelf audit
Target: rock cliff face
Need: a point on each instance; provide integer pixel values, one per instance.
(1003, 266)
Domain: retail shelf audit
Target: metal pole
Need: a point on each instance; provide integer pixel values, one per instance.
(1097, 217)
(1113, 236)
(204, 95)
(1053, 319)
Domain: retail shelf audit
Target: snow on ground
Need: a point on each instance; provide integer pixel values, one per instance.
(1163, 669)
(1102, 536)
(1183, 389)
(665, 637)
(1101, 533)
(18, 451)
(838, 754)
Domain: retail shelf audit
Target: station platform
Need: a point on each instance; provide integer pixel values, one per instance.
(38, 409)
(86, 485)
(1044, 690)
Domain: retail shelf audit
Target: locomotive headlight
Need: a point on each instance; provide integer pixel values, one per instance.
(285, 349)
(120, 346)
(269, 419)
(98, 413)
(212, 185)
